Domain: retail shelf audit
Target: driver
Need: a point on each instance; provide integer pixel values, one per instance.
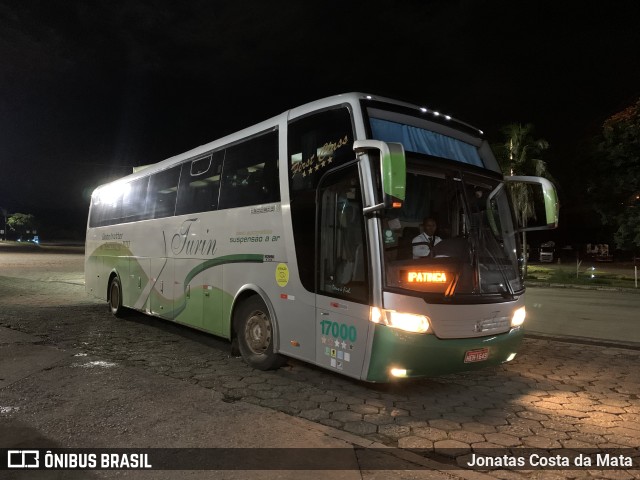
(423, 244)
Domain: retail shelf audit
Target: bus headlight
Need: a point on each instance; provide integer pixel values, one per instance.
(403, 321)
(518, 317)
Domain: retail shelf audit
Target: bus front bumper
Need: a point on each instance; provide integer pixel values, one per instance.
(424, 355)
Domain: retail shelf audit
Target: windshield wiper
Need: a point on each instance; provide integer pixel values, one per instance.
(506, 285)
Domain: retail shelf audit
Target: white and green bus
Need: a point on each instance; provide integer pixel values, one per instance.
(294, 238)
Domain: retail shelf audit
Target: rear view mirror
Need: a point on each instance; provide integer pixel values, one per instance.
(393, 171)
(535, 202)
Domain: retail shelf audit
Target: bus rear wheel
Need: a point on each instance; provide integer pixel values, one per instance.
(254, 330)
(115, 297)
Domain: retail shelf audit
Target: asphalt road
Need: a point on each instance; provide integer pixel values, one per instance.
(553, 395)
(601, 315)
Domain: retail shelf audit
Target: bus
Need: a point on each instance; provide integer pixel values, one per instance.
(295, 238)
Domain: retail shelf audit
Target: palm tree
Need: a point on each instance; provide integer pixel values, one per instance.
(520, 155)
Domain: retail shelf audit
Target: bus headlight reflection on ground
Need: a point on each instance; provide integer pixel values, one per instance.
(404, 321)
(518, 317)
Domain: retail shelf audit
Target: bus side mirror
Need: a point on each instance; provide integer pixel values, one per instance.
(393, 170)
(538, 193)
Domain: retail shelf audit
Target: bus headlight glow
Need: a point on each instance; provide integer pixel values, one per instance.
(403, 321)
(518, 317)
(399, 372)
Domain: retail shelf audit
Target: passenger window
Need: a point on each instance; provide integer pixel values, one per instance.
(316, 144)
(107, 205)
(162, 193)
(250, 172)
(134, 200)
(200, 184)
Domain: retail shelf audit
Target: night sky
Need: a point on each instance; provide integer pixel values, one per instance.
(89, 89)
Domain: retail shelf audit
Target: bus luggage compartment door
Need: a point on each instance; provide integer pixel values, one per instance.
(162, 293)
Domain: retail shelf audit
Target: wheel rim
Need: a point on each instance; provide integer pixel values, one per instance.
(257, 332)
(115, 296)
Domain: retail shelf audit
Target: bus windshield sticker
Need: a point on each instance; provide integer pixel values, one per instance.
(319, 160)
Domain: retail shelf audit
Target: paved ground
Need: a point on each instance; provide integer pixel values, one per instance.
(554, 395)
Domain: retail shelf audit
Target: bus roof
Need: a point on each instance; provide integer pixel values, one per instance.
(352, 98)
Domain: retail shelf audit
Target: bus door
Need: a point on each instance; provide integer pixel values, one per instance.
(342, 299)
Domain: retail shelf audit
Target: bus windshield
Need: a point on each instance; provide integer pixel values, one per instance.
(453, 238)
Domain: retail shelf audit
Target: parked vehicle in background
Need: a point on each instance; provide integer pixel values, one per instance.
(599, 251)
(547, 250)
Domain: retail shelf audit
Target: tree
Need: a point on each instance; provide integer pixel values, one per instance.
(616, 184)
(520, 155)
(21, 223)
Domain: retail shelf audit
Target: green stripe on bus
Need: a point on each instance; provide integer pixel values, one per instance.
(428, 355)
(214, 262)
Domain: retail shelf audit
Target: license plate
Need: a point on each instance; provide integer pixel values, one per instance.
(476, 355)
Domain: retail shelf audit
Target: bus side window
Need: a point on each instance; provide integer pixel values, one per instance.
(107, 205)
(200, 184)
(162, 193)
(134, 200)
(250, 172)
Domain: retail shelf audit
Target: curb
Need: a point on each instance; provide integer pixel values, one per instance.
(583, 341)
(582, 287)
(425, 463)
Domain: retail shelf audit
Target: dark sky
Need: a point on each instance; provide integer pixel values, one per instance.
(88, 89)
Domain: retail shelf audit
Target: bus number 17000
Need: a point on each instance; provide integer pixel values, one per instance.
(339, 330)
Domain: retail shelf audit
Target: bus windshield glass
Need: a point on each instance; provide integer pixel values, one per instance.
(454, 236)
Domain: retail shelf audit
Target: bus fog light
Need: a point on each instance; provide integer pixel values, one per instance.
(399, 372)
(518, 317)
(510, 357)
(403, 321)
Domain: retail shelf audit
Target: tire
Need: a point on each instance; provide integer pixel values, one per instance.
(254, 330)
(115, 298)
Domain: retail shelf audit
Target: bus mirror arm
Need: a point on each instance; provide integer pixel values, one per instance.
(392, 171)
(373, 208)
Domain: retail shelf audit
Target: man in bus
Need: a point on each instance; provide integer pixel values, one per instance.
(423, 244)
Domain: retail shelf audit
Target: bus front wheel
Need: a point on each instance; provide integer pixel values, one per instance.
(254, 330)
(115, 297)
